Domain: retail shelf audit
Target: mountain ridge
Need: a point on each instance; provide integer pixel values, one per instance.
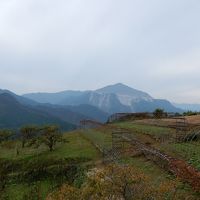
(61, 114)
(13, 115)
(110, 99)
(68, 108)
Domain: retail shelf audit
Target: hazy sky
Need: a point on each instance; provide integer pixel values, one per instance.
(53, 45)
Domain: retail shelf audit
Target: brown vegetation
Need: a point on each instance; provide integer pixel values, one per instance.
(186, 173)
(119, 183)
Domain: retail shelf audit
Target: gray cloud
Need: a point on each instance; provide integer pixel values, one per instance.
(85, 44)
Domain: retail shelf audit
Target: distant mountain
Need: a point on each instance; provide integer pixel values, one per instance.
(91, 112)
(150, 106)
(73, 114)
(106, 102)
(125, 94)
(188, 107)
(53, 98)
(14, 114)
(110, 99)
(20, 99)
(55, 113)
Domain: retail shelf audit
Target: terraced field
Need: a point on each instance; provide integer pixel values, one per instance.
(186, 151)
(157, 175)
(84, 146)
(189, 151)
(154, 131)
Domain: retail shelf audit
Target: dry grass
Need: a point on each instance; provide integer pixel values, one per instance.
(193, 120)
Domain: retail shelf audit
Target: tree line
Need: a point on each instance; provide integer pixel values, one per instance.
(32, 135)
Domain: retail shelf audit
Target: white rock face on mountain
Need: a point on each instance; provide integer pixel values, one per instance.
(125, 99)
(105, 101)
(99, 100)
(126, 95)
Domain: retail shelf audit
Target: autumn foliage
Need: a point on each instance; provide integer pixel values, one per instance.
(115, 182)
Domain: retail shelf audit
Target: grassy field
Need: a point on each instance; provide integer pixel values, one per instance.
(153, 131)
(82, 145)
(154, 172)
(76, 147)
(101, 137)
(186, 151)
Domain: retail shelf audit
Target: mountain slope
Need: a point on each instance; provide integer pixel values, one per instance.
(125, 94)
(73, 114)
(90, 112)
(108, 103)
(150, 106)
(110, 99)
(14, 115)
(188, 107)
(20, 99)
(52, 98)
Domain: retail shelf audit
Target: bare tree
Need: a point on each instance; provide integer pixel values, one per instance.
(27, 133)
(50, 136)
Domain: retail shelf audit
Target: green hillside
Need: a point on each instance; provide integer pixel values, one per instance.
(77, 151)
(14, 115)
(34, 171)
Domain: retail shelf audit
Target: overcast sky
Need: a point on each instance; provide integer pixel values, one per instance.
(54, 45)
